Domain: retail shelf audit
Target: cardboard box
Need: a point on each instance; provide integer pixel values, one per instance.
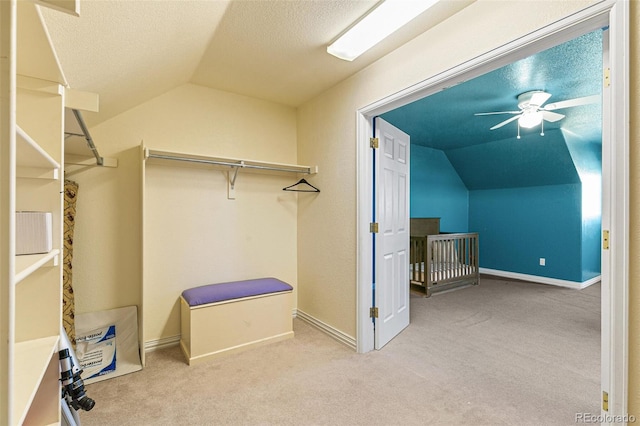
(33, 232)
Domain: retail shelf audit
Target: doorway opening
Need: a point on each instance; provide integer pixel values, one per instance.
(614, 178)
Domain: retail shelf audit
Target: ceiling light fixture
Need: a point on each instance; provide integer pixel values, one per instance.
(530, 119)
(380, 22)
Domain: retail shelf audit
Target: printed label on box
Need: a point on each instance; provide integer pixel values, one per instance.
(96, 352)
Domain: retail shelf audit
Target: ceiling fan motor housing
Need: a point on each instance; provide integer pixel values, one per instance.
(527, 100)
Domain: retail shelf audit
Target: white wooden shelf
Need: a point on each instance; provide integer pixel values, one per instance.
(32, 160)
(229, 165)
(32, 359)
(153, 156)
(38, 57)
(28, 264)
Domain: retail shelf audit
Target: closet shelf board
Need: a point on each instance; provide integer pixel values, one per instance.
(32, 359)
(153, 156)
(30, 156)
(28, 264)
(37, 56)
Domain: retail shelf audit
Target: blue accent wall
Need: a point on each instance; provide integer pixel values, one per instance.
(518, 226)
(537, 197)
(437, 190)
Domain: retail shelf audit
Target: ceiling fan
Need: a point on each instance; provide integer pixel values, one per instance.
(532, 112)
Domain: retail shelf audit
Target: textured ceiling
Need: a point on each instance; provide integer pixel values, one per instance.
(492, 159)
(130, 51)
(446, 120)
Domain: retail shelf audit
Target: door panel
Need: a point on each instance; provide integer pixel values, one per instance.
(392, 241)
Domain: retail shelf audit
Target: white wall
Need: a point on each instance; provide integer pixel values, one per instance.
(195, 235)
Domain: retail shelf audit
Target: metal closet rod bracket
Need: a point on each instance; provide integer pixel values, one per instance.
(232, 180)
(231, 189)
(87, 136)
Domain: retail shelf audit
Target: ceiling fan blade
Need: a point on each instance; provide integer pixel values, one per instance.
(507, 121)
(538, 98)
(572, 102)
(552, 116)
(497, 112)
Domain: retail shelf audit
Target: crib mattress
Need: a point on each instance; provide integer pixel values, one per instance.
(440, 267)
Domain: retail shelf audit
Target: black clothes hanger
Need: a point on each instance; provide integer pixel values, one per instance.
(301, 182)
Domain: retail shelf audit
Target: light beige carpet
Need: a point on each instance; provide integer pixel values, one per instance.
(501, 353)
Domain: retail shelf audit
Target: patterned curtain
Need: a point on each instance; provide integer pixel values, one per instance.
(68, 304)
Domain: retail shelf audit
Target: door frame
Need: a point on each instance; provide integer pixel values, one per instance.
(615, 176)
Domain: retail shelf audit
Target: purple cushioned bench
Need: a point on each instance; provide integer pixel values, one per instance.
(219, 319)
(213, 293)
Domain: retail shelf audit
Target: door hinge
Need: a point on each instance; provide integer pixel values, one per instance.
(605, 239)
(373, 227)
(374, 143)
(373, 312)
(607, 77)
(605, 401)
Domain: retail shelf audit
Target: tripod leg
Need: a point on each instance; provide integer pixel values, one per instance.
(69, 416)
(70, 377)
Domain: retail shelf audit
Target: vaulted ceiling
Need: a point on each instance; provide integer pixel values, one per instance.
(490, 159)
(446, 120)
(131, 51)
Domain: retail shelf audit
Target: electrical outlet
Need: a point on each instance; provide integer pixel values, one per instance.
(543, 261)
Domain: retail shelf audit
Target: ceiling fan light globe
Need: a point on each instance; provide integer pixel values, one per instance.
(530, 119)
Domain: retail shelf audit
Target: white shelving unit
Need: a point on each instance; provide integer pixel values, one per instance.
(31, 160)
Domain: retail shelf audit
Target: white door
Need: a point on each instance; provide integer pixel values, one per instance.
(391, 247)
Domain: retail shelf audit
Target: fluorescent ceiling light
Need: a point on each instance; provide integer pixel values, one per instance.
(386, 18)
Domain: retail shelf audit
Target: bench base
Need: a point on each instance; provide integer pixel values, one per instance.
(218, 329)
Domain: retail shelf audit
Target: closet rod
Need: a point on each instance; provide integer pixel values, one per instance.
(240, 163)
(87, 136)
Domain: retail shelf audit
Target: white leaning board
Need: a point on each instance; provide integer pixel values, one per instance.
(126, 323)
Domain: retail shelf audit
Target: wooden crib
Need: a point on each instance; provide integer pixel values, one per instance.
(441, 261)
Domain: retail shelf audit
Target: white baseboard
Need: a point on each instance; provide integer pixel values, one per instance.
(327, 329)
(162, 343)
(543, 280)
(167, 342)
